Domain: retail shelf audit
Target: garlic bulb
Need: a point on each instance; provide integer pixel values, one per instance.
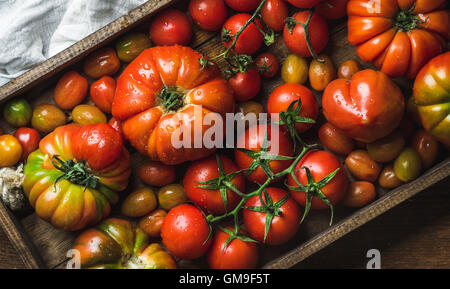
(11, 188)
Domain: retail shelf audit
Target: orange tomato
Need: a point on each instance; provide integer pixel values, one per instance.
(321, 72)
(70, 90)
(10, 151)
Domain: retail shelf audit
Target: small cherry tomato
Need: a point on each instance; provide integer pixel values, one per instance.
(335, 140)
(280, 99)
(388, 179)
(362, 166)
(117, 125)
(185, 232)
(386, 149)
(321, 164)
(102, 93)
(87, 114)
(426, 146)
(267, 64)
(294, 35)
(408, 165)
(211, 200)
(70, 90)
(130, 45)
(250, 39)
(17, 112)
(209, 15)
(332, 9)
(304, 3)
(237, 254)
(295, 69)
(29, 138)
(243, 5)
(273, 14)
(171, 27)
(348, 68)
(156, 174)
(246, 85)
(321, 73)
(10, 151)
(139, 203)
(171, 196)
(285, 222)
(152, 223)
(47, 117)
(359, 194)
(101, 62)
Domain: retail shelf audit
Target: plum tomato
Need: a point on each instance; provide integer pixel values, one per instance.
(170, 27)
(130, 45)
(250, 39)
(335, 140)
(139, 203)
(273, 13)
(386, 149)
(47, 117)
(267, 64)
(87, 114)
(185, 232)
(359, 194)
(29, 138)
(157, 174)
(209, 15)
(362, 166)
(237, 254)
(246, 85)
(348, 68)
(426, 145)
(321, 72)
(10, 151)
(283, 210)
(152, 223)
(205, 183)
(408, 165)
(101, 62)
(171, 196)
(251, 141)
(102, 93)
(295, 69)
(71, 89)
(17, 112)
(243, 5)
(388, 179)
(332, 9)
(280, 99)
(295, 38)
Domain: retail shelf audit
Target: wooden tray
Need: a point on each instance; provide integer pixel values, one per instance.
(41, 246)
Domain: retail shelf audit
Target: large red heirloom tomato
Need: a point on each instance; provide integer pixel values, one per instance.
(161, 93)
(118, 244)
(432, 97)
(75, 175)
(367, 108)
(398, 36)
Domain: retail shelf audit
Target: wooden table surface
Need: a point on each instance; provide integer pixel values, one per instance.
(416, 234)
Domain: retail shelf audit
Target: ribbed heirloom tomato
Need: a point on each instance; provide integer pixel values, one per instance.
(158, 95)
(75, 175)
(398, 36)
(367, 108)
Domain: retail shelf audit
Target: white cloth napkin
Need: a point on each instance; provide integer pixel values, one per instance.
(34, 30)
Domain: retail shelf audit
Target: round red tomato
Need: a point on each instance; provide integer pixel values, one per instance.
(332, 9)
(209, 15)
(184, 232)
(285, 222)
(280, 99)
(273, 14)
(208, 169)
(321, 164)
(246, 85)
(171, 27)
(295, 38)
(238, 254)
(267, 64)
(252, 140)
(250, 39)
(304, 3)
(243, 5)
(102, 93)
(29, 138)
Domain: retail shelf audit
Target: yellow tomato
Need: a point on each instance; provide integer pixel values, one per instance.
(10, 150)
(88, 114)
(294, 69)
